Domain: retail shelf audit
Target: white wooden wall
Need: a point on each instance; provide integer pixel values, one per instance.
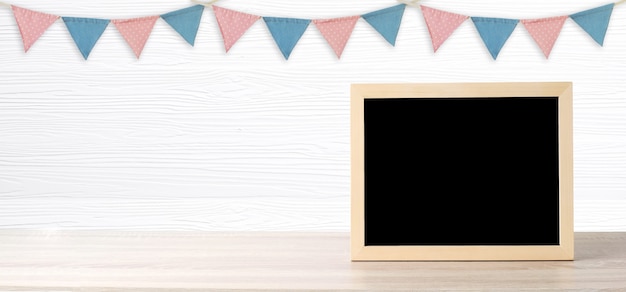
(192, 138)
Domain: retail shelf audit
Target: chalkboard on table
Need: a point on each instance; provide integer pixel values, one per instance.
(464, 171)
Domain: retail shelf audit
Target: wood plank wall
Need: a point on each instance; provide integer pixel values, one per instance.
(193, 138)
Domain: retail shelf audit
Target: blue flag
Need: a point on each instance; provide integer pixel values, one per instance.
(494, 32)
(286, 32)
(185, 21)
(595, 21)
(386, 21)
(85, 32)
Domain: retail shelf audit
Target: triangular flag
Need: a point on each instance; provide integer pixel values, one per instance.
(85, 32)
(494, 32)
(286, 32)
(441, 24)
(136, 31)
(233, 24)
(337, 31)
(386, 21)
(32, 24)
(545, 31)
(185, 21)
(595, 21)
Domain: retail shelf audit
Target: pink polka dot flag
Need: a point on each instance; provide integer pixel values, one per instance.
(441, 24)
(545, 31)
(136, 31)
(233, 24)
(32, 24)
(337, 31)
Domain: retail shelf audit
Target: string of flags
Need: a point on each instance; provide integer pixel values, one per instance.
(286, 32)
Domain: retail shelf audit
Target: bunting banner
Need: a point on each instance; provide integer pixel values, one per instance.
(595, 21)
(545, 31)
(441, 24)
(287, 32)
(186, 22)
(386, 21)
(136, 31)
(337, 31)
(233, 24)
(85, 32)
(32, 24)
(494, 32)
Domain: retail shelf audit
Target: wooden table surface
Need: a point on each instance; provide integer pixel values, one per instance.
(200, 261)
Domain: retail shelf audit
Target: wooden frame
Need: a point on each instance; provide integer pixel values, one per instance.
(564, 250)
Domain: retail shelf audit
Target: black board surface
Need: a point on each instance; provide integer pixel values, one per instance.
(461, 171)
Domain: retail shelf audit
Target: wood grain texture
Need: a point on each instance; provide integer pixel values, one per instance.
(192, 138)
(278, 261)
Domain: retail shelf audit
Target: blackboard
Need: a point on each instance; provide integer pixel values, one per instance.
(470, 171)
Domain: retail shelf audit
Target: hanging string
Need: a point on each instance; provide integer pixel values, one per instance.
(209, 3)
(414, 2)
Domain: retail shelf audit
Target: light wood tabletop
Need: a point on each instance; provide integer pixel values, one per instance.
(202, 261)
